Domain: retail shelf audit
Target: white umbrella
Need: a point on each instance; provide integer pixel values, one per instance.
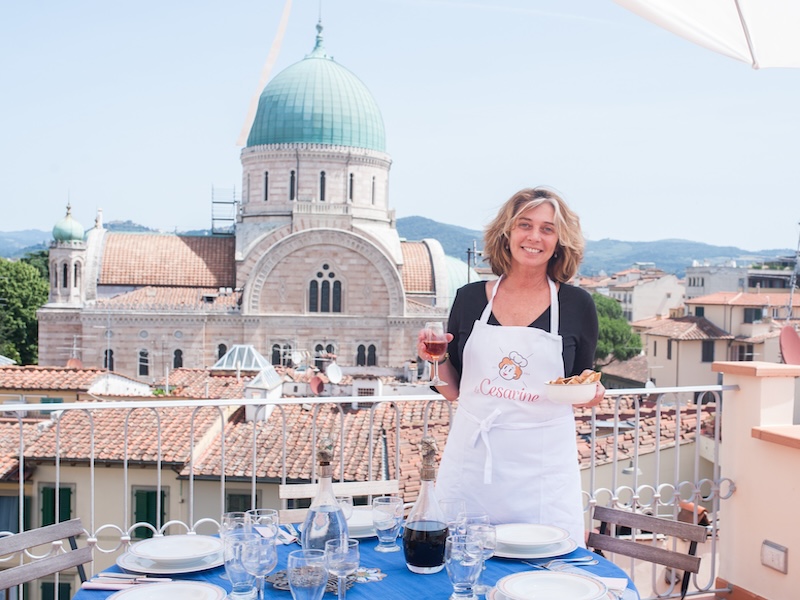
(762, 33)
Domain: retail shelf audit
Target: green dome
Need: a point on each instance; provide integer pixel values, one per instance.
(317, 101)
(68, 229)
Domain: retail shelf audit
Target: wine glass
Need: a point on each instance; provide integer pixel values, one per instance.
(307, 574)
(471, 517)
(259, 556)
(341, 558)
(453, 509)
(463, 559)
(263, 520)
(346, 504)
(488, 538)
(387, 514)
(436, 344)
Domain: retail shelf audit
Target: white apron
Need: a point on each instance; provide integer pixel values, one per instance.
(510, 450)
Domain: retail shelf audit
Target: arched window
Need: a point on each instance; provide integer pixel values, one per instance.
(313, 296)
(361, 355)
(325, 297)
(373, 190)
(286, 359)
(325, 291)
(292, 184)
(266, 186)
(276, 354)
(64, 276)
(108, 359)
(54, 272)
(222, 349)
(322, 186)
(177, 359)
(247, 191)
(350, 186)
(144, 363)
(76, 275)
(372, 356)
(318, 360)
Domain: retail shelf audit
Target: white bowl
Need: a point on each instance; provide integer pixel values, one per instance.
(575, 393)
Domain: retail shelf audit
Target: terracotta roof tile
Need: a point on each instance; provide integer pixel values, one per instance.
(417, 269)
(48, 378)
(173, 298)
(9, 444)
(765, 298)
(201, 383)
(168, 260)
(689, 328)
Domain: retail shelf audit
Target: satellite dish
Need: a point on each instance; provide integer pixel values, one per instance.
(334, 373)
(790, 345)
(297, 357)
(316, 385)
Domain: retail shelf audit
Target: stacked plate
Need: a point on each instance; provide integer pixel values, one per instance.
(176, 590)
(359, 525)
(173, 554)
(548, 585)
(529, 540)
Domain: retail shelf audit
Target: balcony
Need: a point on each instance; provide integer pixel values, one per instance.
(135, 468)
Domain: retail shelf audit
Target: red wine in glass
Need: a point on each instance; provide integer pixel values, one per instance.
(436, 345)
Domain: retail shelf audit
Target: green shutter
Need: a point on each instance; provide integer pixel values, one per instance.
(65, 504)
(48, 506)
(145, 510)
(49, 590)
(27, 503)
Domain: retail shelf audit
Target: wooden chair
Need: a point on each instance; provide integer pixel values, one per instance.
(605, 540)
(54, 562)
(340, 488)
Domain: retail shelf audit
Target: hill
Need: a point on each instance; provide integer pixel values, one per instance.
(673, 256)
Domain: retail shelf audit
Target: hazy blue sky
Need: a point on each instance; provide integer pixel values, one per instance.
(136, 107)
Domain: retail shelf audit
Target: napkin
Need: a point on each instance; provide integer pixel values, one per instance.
(615, 584)
(108, 585)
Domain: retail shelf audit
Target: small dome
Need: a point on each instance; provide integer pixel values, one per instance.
(459, 274)
(317, 101)
(68, 229)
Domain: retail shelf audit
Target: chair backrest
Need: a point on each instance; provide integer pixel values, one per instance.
(685, 561)
(340, 488)
(54, 562)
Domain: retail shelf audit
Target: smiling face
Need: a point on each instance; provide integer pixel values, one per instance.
(533, 238)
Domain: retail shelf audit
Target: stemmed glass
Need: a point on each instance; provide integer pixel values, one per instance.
(471, 517)
(436, 344)
(341, 558)
(307, 574)
(463, 559)
(263, 520)
(453, 510)
(487, 536)
(259, 556)
(387, 514)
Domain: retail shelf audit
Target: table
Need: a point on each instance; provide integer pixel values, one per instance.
(399, 583)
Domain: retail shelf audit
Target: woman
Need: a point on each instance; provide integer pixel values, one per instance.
(510, 450)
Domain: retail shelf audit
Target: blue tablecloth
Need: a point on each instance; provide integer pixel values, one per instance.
(399, 583)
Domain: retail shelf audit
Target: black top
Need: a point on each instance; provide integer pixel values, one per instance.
(578, 324)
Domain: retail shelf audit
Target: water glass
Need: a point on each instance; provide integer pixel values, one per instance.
(231, 521)
(346, 504)
(242, 582)
(471, 517)
(341, 558)
(263, 520)
(463, 559)
(487, 535)
(259, 556)
(307, 573)
(387, 514)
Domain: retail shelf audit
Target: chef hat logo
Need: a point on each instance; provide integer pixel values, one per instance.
(511, 366)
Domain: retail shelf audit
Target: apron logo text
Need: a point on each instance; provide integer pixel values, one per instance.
(486, 388)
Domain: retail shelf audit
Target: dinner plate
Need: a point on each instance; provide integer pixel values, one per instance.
(547, 585)
(135, 564)
(173, 590)
(547, 551)
(177, 550)
(495, 594)
(528, 535)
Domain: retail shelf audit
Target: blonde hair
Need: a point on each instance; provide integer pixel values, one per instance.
(569, 250)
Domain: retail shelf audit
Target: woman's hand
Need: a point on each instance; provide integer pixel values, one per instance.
(599, 394)
(422, 351)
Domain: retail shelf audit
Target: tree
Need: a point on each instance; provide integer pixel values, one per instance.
(617, 341)
(23, 291)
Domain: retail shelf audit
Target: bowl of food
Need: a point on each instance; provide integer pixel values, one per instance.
(578, 389)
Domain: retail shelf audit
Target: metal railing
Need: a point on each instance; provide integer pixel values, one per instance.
(641, 449)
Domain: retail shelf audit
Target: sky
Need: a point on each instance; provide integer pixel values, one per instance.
(135, 108)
